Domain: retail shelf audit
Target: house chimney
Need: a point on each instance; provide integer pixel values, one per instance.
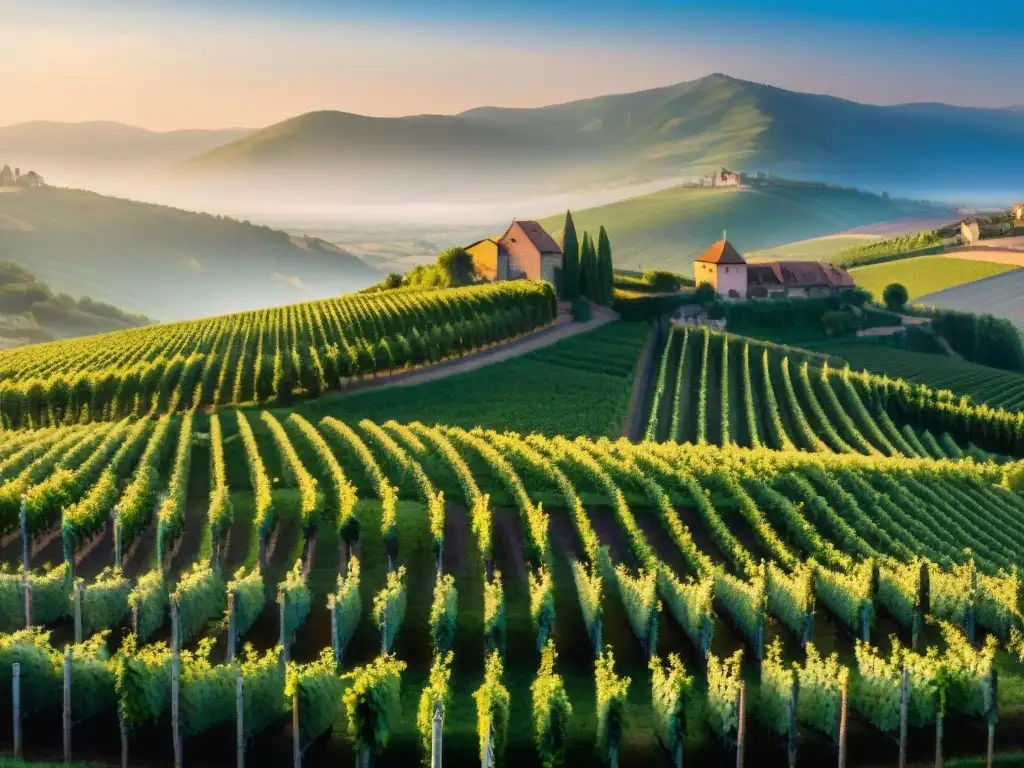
(723, 234)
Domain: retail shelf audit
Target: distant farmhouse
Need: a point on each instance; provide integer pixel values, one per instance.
(969, 232)
(1018, 212)
(733, 278)
(525, 251)
(16, 178)
(723, 178)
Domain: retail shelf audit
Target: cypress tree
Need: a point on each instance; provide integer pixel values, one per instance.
(570, 287)
(589, 283)
(604, 267)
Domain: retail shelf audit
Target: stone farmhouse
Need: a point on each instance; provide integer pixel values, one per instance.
(525, 251)
(1017, 210)
(15, 178)
(733, 278)
(723, 178)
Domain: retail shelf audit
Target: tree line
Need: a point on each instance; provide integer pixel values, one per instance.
(586, 266)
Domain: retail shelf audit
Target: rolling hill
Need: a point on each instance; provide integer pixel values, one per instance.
(659, 133)
(46, 144)
(1002, 296)
(669, 229)
(924, 275)
(166, 263)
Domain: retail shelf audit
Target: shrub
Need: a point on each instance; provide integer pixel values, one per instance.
(895, 296)
(705, 293)
(839, 323)
(662, 280)
(581, 310)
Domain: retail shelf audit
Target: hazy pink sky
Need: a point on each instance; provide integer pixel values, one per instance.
(191, 68)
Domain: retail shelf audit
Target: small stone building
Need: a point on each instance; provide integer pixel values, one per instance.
(732, 277)
(970, 234)
(525, 251)
(722, 266)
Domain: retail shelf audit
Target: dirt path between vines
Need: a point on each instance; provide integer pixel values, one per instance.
(564, 327)
(633, 424)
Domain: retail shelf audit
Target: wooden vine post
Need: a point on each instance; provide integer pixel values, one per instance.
(335, 640)
(115, 516)
(67, 704)
(27, 591)
(23, 522)
(923, 601)
(741, 726)
(435, 736)
(488, 761)
(296, 735)
(124, 734)
(285, 641)
(16, 706)
(992, 716)
(176, 682)
(794, 696)
(904, 710)
(843, 718)
(231, 626)
(78, 595)
(239, 722)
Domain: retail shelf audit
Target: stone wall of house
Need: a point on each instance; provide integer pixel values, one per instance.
(732, 281)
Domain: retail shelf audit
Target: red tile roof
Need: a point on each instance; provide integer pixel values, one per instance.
(798, 274)
(722, 252)
(536, 234)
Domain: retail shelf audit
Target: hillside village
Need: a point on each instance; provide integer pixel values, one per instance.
(15, 178)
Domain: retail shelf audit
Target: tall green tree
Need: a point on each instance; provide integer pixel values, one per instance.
(582, 281)
(570, 287)
(589, 280)
(604, 267)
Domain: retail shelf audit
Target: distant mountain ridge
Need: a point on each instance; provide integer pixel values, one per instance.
(691, 127)
(42, 142)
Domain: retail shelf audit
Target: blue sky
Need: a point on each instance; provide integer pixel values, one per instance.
(211, 63)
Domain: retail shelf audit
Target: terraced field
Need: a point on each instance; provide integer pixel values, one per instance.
(991, 386)
(722, 389)
(632, 583)
(273, 355)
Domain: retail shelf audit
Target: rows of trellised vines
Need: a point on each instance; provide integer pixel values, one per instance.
(718, 541)
(187, 365)
(788, 399)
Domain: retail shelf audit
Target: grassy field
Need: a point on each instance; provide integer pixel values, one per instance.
(925, 275)
(580, 386)
(1000, 389)
(1002, 296)
(815, 249)
(669, 229)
